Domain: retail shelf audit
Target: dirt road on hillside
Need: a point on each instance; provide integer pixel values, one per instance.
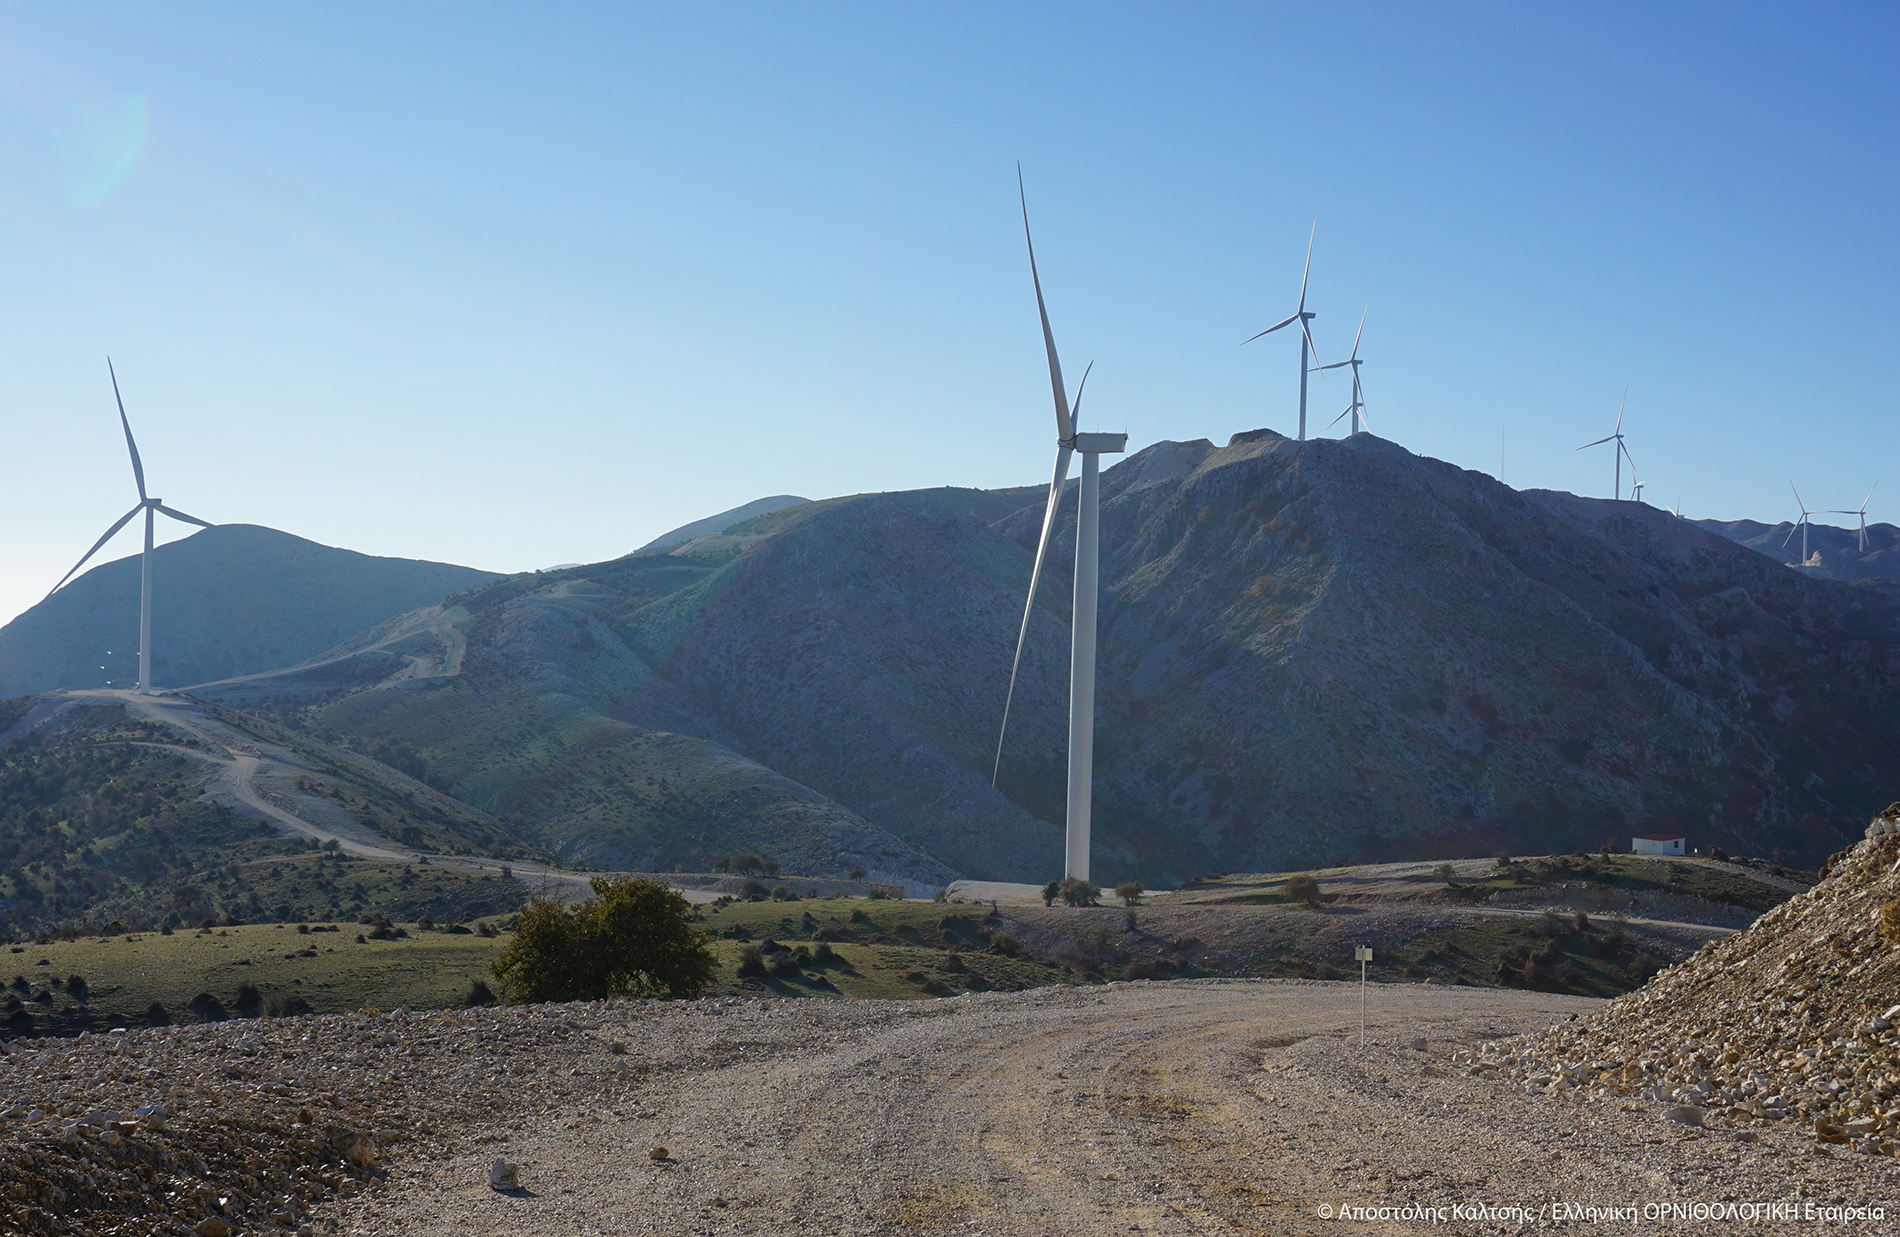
(1195, 1107)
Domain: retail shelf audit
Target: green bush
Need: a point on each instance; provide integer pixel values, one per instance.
(1079, 892)
(1303, 888)
(635, 939)
(1050, 892)
(1129, 892)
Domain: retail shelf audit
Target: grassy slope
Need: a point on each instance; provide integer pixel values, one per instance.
(100, 823)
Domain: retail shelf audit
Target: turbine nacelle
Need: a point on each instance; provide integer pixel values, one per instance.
(1099, 444)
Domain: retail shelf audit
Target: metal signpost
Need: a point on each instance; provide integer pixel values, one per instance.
(1362, 954)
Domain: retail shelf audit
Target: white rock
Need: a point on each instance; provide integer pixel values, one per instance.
(1685, 1114)
(503, 1176)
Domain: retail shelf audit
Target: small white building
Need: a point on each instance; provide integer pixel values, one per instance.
(1657, 844)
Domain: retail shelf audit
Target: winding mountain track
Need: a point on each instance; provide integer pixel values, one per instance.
(238, 763)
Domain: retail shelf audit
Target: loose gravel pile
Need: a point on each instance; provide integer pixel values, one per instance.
(1792, 1020)
(250, 1127)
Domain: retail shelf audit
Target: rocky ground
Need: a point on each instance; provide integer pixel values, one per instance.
(1789, 1024)
(1187, 1107)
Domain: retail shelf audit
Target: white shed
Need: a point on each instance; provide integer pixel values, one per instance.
(1657, 844)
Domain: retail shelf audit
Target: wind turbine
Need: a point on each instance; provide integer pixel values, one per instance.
(1358, 406)
(1860, 542)
(151, 507)
(1636, 487)
(1802, 523)
(1087, 563)
(1620, 452)
(1301, 316)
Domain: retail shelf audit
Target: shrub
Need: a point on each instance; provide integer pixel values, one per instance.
(1077, 892)
(786, 964)
(824, 955)
(479, 993)
(1129, 892)
(1890, 920)
(75, 983)
(781, 894)
(1004, 943)
(1447, 873)
(635, 939)
(157, 1014)
(878, 895)
(248, 995)
(286, 1005)
(954, 963)
(856, 874)
(1303, 888)
(1550, 923)
(1503, 859)
(1050, 892)
(1580, 921)
(207, 1007)
(751, 962)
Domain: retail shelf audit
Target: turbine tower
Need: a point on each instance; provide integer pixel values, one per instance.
(1802, 523)
(1358, 406)
(1300, 315)
(152, 507)
(1087, 587)
(1860, 538)
(1620, 452)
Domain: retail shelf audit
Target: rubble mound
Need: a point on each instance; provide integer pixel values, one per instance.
(1790, 1020)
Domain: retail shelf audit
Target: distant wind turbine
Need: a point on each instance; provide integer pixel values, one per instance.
(1087, 566)
(1802, 523)
(151, 507)
(1860, 542)
(1636, 487)
(1300, 315)
(1357, 409)
(1620, 452)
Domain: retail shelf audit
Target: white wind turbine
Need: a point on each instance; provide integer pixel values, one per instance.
(1860, 540)
(151, 507)
(1300, 315)
(1802, 523)
(1621, 452)
(1357, 408)
(1087, 563)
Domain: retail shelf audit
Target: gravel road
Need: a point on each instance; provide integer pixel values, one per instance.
(1190, 1107)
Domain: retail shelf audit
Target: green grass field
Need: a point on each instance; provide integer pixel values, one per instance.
(123, 976)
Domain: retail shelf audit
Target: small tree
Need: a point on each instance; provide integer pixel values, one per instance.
(1077, 892)
(1447, 873)
(1050, 892)
(1129, 892)
(1303, 888)
(636, 939)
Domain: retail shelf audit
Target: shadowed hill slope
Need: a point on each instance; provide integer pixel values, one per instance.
(1310, 651)
(231, 600)
(1843, 556)
(719, 523)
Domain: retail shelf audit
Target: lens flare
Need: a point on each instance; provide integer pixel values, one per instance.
(100, 146)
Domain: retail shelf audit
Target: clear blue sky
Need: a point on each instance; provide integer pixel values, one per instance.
(518, 285)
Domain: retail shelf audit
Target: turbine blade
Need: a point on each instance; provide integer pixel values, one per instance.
(1334, 365)
(1307, 269)
(123, 521)
(1619, 411)
(1870, 497)
(1336, 420)
(1599, 442)
(1362, 327)
(138, 469)
(1029, 605)
(1310, 343)
(1797, 498)
(1065, 420)
(1270, 330)
(1075, 408)
(189, 519)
